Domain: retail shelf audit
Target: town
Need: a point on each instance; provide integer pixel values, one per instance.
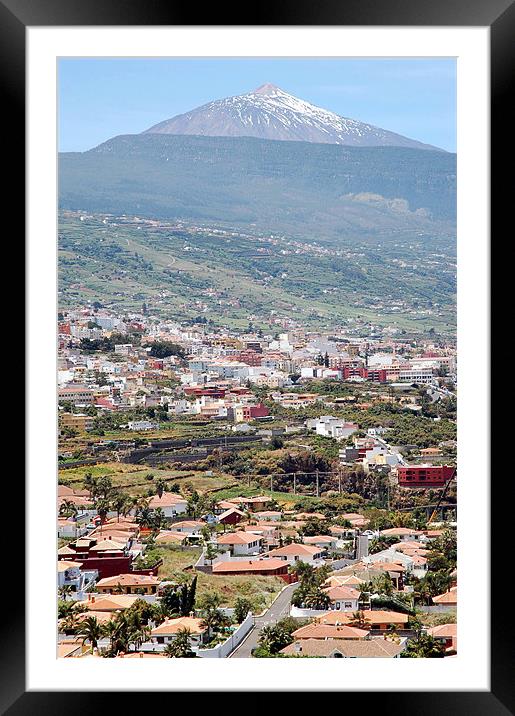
(253, 492)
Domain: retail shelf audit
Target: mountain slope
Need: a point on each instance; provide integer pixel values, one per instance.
(322, 191)
(232, 277)
(270, 113)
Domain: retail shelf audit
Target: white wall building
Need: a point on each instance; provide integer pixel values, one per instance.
(330, 427)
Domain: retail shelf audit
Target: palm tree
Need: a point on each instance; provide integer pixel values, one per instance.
(111, 631)
(127, 506)
(140, 502)
(159, 518)
(65, 591)
(364, 593)
(212, 617)
(275, 637)
(206, 533)
(103, 487)
(180, 647)
(212, 620)
(359, 620)
(138, 635)
(160, 487)
(145, 517)
(71, 623)
(422, 591)
(304, 570)
(424, 646)
(192, 509)
(102, 507)
(242, 607)
(89, 483)
(210, 600)
(316, 598)
(92, 631)
(68, 509)
(65, 608)
(118, 504)
(121, 633)
(383, 584)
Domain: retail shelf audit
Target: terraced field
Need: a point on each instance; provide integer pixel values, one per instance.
(404, 280)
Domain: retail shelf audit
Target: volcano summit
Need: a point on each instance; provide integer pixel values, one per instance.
(269, 112)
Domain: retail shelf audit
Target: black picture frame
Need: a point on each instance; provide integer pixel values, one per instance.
(499, 16)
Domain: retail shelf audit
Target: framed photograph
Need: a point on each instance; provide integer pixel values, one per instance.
(258, 351)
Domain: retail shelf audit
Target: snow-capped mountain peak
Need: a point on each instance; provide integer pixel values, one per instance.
(268, 112)
(267, 88)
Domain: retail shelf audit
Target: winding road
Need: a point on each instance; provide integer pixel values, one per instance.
(278, 609)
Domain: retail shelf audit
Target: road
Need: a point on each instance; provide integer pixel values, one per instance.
(434, 391)
(279, 609)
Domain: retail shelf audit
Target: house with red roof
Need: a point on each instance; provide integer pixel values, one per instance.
(295, 552)
(343, 598)
(264, 567)
(241, 544)
(171, 504)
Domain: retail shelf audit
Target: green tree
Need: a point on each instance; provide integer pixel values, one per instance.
(65, 608)
(68, 508)
(212, 616)
(170, 600)
(102, 507)
(91, 631)
(275, 637)
(359, 620)
(316, 598)
(180, 647)
(160, 487)
(423, 646)
(65, 591)
(164, 349)
(242, 607)
(210, 553)
(364, 590)
(103, 487)
(119, 503)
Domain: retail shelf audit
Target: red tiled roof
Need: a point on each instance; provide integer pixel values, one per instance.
(251, 565)
(329, 631)
(294, 549)
(128, 580)
(238, 538)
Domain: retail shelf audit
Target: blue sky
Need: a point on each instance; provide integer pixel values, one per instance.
(100, 98)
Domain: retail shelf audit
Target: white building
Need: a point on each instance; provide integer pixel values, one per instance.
(241, 544)
(141, 425)
(330, 427)
(295, 552)
(171, 504)
(416, 375)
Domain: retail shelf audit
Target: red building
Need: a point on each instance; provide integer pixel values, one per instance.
(231, 516)
(352, 371)
(259, 411)
(249, 357)
(425, 475)
(155, 364)
(267, 567)
(209, 392)
(376, 375)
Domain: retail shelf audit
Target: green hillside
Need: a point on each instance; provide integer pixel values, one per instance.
(232, 278)
(300, 189)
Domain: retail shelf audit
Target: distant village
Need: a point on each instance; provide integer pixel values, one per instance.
(237, 494)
